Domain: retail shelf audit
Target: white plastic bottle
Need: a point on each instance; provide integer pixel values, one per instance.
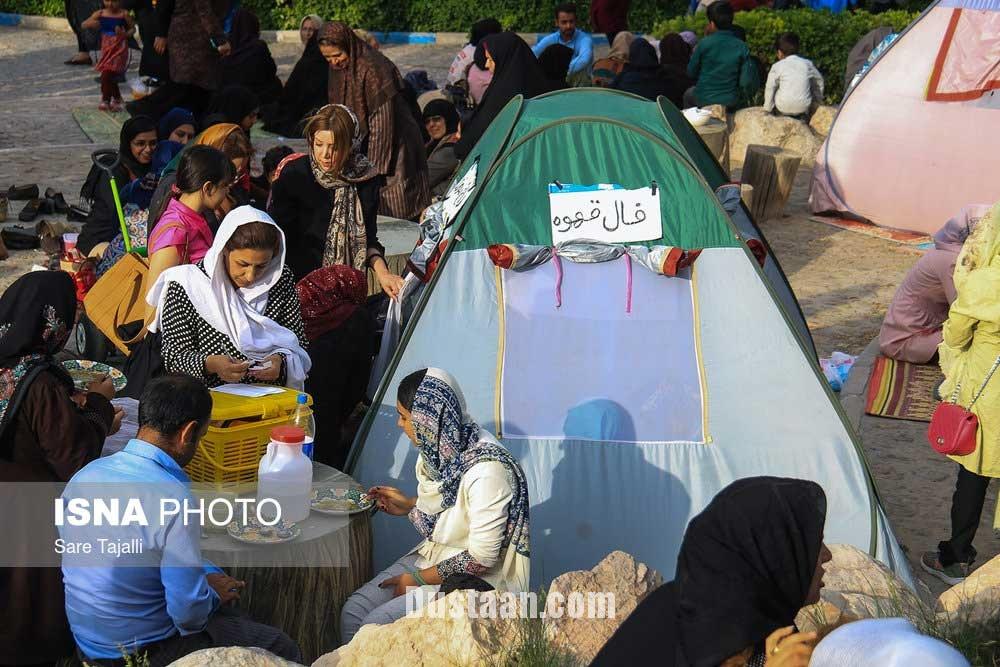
(303, 418)
(285, 474)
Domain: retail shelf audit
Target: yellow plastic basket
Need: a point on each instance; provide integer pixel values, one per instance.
(228, 457)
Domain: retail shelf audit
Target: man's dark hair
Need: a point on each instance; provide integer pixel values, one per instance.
(721, 14)
(407, 391)
(171, 401)
(787, 43)
(565, 8)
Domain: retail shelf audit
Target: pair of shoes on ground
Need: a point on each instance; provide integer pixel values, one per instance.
(954, 574)
(52, 203)
(17, 237)
(114, 106)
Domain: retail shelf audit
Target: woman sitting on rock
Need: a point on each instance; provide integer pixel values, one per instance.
(748, 563)
(471, 505)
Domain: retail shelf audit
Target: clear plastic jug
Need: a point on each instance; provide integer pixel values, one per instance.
(285, 474)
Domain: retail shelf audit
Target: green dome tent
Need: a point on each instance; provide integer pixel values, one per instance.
(608, 321)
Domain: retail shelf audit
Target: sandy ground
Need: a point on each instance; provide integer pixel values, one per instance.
(843, 280)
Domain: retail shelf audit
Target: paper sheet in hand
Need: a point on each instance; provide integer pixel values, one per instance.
(248, 390)
(607, 213)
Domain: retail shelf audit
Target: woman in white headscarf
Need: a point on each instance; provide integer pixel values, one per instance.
(235, 315)
(883, 642)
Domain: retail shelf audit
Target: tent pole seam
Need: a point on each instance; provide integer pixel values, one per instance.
(358, 445)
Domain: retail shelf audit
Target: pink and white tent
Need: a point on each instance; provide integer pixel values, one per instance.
(918, 137)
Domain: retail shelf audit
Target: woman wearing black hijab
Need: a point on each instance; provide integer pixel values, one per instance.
(641, 75)
(675, 54)
(515, 72)
(137, 142)
(555, 62)
(250, 63)
(441, 120)
(48, 431)
(237, 104)
(747, 564)
(305, 91)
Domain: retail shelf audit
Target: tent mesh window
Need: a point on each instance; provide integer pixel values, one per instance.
(597, 397)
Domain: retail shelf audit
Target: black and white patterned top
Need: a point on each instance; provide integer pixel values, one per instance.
(188, 339)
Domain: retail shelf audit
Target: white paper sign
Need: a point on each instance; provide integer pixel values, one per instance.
(459, 193)
(604, 213)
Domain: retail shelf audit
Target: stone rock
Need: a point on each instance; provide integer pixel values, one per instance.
(975, 599)
(618, 573)
(858, 585)
(232, 657)
(756, 126)
(718, 112)
(822, 120)
(442, 633)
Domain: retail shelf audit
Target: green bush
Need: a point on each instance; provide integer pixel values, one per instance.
(826, 38)
(417, 15)
(34, 7)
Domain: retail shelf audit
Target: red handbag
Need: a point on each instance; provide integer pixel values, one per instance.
(954, 429)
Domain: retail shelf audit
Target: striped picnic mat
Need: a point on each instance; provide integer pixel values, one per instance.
(901, 390)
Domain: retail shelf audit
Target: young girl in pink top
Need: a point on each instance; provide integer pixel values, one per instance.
(181, 235)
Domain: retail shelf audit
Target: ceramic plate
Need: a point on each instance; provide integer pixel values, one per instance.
(84, 372)
(255, 533)
(340, 501)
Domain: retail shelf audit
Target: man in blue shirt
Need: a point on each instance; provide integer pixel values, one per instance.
(567, 34)
(162, 600)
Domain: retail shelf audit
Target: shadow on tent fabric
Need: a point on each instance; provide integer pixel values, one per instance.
(593, 507)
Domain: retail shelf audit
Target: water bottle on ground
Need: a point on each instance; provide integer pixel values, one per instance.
(285, 475)
(303, 418)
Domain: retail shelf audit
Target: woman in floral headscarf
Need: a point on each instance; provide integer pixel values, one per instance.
(471, 505)
(48, 431)
(327, 201)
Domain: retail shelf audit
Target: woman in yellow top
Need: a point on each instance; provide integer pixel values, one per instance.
(969, 353)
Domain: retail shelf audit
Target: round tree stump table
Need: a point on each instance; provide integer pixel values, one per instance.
(301, 585)
(715, 134)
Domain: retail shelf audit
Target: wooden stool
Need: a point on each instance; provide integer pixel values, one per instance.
(715, 134)
(771, 172)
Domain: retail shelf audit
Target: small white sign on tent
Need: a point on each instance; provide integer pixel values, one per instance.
(604, 212)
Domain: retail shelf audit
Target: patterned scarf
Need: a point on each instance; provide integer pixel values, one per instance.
(35, 314)
(346, 238)
(450, 445)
